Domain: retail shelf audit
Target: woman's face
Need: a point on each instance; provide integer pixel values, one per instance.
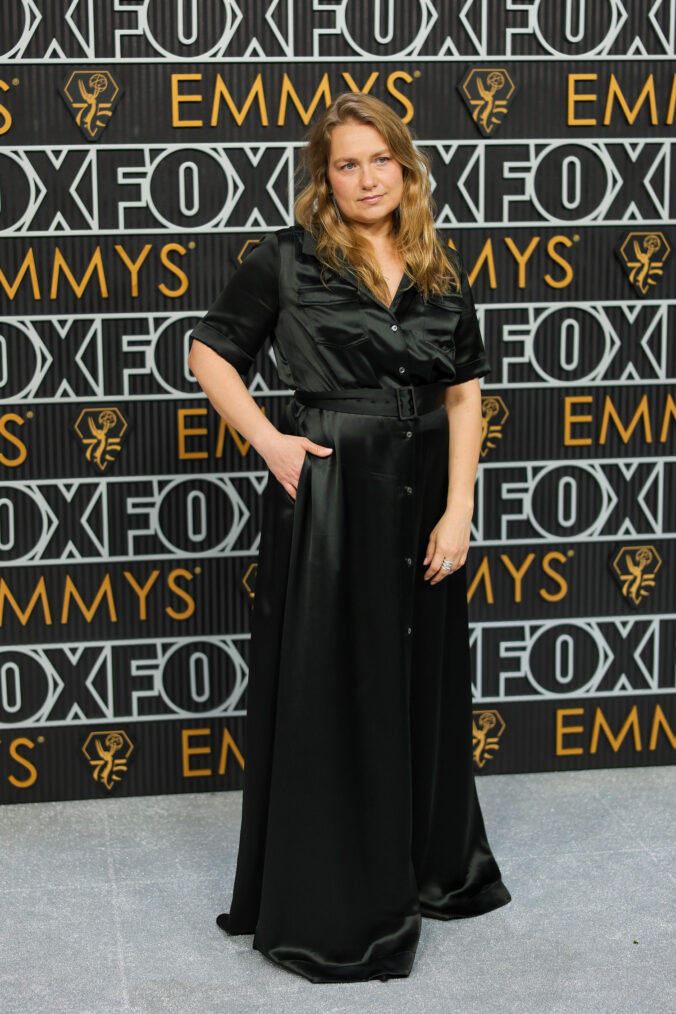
(367, 181)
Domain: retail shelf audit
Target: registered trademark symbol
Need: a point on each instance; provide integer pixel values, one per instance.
(30, 414)
(41, 739)
(571, 552)
(15, 81)
(576, 238)
(198, 570)
(416, 73)
(192, 244)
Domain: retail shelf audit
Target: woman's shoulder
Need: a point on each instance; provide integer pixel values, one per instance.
(289, 233)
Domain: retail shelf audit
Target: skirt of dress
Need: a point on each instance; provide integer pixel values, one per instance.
(360, 813)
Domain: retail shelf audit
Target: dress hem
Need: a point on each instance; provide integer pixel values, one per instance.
(346, 973)
(490, 897)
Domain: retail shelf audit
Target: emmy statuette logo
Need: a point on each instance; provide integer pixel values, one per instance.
(494, 415)
(634, 568)
(101, 431)
(108, 753)
(91, 96)
(487, 728)
(487, 93)
(643, 255)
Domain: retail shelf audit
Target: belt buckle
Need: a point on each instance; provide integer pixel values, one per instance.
(400, 404)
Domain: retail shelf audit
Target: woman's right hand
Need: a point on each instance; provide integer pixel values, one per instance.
(285, 459)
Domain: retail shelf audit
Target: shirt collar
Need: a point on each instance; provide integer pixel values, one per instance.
(347, 271)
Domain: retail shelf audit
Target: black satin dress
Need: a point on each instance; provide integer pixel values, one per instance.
(360, 813)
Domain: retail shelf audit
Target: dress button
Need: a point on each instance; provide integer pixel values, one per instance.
(409, 561)
(402, 369)
(409, 629)
(409, 490)
(409, 433)
(394, 327)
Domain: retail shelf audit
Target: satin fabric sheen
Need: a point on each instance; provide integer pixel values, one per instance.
(360, 813)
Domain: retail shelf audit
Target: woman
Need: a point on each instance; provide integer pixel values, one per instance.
(360, 812)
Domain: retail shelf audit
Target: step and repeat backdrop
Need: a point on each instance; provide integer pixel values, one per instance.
(145, 146)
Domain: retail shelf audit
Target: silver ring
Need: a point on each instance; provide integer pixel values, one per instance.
(446, 564)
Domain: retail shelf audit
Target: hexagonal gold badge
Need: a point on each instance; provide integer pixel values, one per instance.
(108, 753)
(634, 568)
(487, 728)
(487, 93)
(91, 96)
(249, 244)
(494, 414)
(643, 255)
(102, 431)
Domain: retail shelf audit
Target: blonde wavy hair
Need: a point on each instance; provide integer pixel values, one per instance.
(413, 231)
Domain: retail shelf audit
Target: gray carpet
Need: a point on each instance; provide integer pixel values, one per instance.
(110, 906)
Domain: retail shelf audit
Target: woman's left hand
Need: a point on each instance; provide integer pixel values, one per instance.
(450, 539)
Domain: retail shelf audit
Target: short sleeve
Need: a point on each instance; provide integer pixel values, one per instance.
(470, 354)
(246, 311)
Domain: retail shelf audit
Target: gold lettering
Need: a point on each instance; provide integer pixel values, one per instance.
(521, 258)
(567, 730)
(188, 751)
(4, 111)
(13, 439)
(28, 265)
(554, 574)
(570, 420)
(631, 721)
(142, 592)
(400, 75)
(256, 92)
(40, 592)
(672, 103)
(517, 574)
(181, 593)
(175, 270)
(485, 254)
(552, 243)
(95, 264)
(185, 432)
(575, 97)
(288, 91)
(133, 266)
(483, 574)
(228, 744)
(177, 100)
(71, 592)
(31, 778)
(660, 720)
(669, 413)
(614, 91)
(640, 413)
(351, 84)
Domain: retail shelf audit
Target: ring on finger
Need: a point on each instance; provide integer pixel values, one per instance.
(446, 564)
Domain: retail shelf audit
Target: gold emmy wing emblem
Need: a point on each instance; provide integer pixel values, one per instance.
(643, 255)
(493, 417)
(487, 92)
(487, 728)
(102, 431)
(91, 96)
(635, 568)
(108, 753)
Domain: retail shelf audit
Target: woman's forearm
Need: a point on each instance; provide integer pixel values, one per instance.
(228, 394)
(463, 405)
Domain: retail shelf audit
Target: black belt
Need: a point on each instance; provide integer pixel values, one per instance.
(402, 402)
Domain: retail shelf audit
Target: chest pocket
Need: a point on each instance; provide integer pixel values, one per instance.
(442, 314)
(333, 316)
